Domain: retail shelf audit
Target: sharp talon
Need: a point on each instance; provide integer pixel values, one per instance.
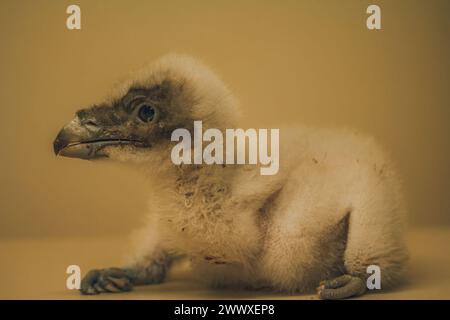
(98, 288)
(320, 288)
(106, 280)
(342, 287)
(121, 283)
(111, 288)
(89, 291)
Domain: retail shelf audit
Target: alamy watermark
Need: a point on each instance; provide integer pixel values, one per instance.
(263, 147)
(73, 21)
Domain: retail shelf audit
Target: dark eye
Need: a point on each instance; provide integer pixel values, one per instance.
(146, 113)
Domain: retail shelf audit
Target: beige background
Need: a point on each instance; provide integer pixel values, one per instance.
(312, 62)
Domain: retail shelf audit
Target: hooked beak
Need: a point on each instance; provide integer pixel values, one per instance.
(76, 140)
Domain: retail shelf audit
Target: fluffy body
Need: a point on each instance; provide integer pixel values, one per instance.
(334, 208)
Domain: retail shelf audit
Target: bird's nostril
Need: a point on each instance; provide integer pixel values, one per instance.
(91, 123)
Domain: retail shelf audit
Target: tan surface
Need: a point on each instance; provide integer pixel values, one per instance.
(311, 62)
(36, 269)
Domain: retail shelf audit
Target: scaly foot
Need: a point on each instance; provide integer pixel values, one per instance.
(345, 286)
(106, 280)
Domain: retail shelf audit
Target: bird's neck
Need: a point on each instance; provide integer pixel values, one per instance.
(201, 175)
(163, 170)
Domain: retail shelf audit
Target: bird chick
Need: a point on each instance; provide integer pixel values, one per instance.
(334, 208)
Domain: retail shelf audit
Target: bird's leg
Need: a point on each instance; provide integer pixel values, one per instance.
(148, 271)
(345, 286)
